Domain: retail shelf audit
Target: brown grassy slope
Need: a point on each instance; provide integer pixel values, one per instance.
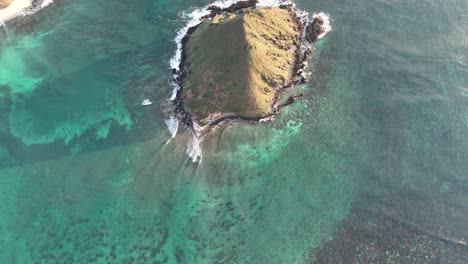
(273, 36)
(5, 3)
(236, 64)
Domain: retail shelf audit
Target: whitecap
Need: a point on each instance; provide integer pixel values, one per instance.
(326, 27)
(46, 3)
(194, 150)
(172, 124)
(146, 102)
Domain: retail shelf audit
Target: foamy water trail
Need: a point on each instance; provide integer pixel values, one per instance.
(4, 28)
(21, 8)
(326, 25)
(15, 9)
(172, 124)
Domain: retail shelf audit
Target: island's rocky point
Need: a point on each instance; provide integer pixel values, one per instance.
(238, 60)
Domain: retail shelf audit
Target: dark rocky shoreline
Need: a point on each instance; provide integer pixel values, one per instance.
(303, 53)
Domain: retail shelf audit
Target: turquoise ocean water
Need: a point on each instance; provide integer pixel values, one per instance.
(372, 167)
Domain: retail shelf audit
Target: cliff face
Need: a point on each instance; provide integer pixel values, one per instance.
(236, 62)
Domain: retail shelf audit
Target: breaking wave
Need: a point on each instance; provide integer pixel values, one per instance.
(3, 28)
(326, 27)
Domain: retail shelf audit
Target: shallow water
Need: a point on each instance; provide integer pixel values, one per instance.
(371, 168)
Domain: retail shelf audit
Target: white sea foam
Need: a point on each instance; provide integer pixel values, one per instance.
(172, 124)
(21, 8)
(174, 91)
(15, 9)
(326, 26)
(146, 102)
(272, 2)
(194, 150)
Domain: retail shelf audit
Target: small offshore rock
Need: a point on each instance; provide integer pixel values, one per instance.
(215, 10)
(289, 101)
(286, 6)
(315, 29)
(241, 5)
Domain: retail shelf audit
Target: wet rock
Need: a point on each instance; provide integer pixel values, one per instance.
(215, 10)
(286, 6)
(315, 29)
(241, 5)
(289, 101)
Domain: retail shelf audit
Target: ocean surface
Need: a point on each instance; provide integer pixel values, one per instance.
(371, 167)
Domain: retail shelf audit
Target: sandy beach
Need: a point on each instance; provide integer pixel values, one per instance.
(13, 8)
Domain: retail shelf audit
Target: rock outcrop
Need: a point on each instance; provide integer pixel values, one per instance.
(241, 5)
(315, 29)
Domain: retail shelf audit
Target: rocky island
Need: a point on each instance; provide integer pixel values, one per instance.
(237, 62)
